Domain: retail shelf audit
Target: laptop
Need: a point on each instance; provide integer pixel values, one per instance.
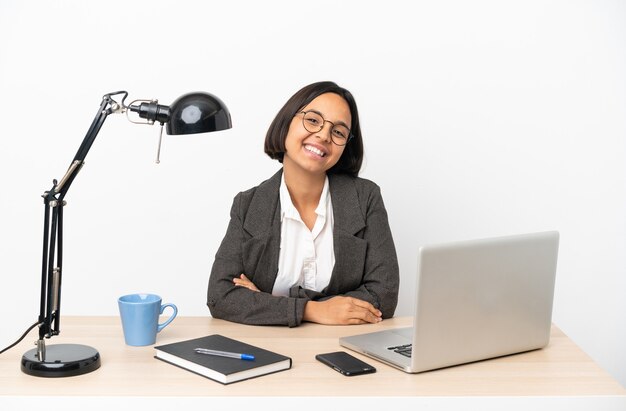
(475, 300)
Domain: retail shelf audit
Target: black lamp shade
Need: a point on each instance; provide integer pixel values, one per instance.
(198, 113)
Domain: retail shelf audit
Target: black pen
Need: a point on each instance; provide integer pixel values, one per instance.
(247, 357)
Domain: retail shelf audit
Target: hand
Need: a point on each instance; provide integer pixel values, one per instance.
(243, 281)
(341, 310)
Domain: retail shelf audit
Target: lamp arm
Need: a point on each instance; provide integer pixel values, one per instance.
(51, 269)
(108, 106)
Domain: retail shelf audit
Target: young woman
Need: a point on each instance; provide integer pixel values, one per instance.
(312, 243)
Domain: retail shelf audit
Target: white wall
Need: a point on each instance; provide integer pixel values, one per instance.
(480, 118)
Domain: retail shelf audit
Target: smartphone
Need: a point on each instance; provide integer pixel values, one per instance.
(345, 363)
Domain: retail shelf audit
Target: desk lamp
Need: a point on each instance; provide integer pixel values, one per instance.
(191, 113)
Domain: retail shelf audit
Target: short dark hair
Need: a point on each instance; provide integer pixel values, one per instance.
(352, 157)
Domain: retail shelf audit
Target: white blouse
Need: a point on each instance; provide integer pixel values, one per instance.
(306, 257)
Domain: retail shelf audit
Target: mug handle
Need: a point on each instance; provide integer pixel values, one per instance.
(169, 320)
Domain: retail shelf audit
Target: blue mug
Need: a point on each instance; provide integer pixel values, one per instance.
(140, 317)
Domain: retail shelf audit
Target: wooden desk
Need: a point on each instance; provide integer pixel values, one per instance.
(561, 369)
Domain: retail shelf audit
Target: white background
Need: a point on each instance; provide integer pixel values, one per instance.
(479, 118)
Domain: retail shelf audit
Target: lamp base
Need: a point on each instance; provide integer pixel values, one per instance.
(62, 360)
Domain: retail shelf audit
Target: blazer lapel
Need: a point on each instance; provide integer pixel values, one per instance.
(346, 208)
(262, 223)
(350, 250)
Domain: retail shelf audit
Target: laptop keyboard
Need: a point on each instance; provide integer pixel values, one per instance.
(402, 349)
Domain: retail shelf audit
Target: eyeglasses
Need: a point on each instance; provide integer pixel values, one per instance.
(313, 122)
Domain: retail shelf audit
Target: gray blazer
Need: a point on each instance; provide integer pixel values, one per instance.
(366, 265)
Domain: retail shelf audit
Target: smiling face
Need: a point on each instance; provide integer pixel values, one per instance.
(315, 153)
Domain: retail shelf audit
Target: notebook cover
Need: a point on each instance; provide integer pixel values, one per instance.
(228, 368)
